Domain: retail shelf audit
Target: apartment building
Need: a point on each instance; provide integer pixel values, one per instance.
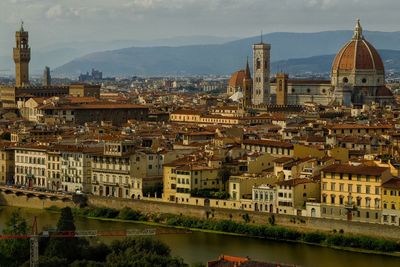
(54, 163)
(353, 192)
(293, 194)
(76, 167)
(391, 202)
(30, 166)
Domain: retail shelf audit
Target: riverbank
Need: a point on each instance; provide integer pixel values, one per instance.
(335, 240)
(200, 246)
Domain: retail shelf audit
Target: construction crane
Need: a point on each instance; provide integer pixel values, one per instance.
(35, 236)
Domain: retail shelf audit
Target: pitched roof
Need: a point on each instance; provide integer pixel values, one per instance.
(355, 169)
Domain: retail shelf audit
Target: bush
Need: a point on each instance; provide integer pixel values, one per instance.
(316, 237)
(280, 233)
(101, 212)
(130, 214)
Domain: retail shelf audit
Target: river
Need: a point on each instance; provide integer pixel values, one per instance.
(200, 247)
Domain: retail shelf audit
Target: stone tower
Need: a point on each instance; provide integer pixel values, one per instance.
(46, 77)
(261, 69)
(281, 89)
(22, 56)
(247, 87)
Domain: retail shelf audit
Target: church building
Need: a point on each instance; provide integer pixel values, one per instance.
(357, 78)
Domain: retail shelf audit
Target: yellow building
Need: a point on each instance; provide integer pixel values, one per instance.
(293, 194)
(353, 192)
(241, 187)
(181, 177)
(391, 202)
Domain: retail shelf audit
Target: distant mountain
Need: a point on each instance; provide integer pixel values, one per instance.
(322, 64)
(223, 58)
(57, 54)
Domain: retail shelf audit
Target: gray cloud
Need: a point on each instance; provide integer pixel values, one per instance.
(53, 21)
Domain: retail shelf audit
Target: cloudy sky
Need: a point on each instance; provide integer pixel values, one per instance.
(56, 21)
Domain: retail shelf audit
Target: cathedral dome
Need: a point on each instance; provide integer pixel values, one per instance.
(358, 54)
(358, 63)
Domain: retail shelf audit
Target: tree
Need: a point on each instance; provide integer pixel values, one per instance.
(14, 252)
(224, 174)
(65, 248)
(142, 252)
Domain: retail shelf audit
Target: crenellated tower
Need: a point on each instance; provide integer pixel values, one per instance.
(22, 57)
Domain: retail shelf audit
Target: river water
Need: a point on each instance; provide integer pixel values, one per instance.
(200, 247)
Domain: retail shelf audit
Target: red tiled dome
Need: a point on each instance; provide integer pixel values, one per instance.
(358, 54)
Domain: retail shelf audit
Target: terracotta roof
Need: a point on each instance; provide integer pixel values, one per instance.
(352, 169)
(393, 183)
(101, 105)
(384, 91)
(296, 181)
(237, 79)
(186, 112)
(272, 143)
(359, 126)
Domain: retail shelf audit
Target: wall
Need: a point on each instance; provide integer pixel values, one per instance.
(298, 222)
(151, 206)
(34, 202)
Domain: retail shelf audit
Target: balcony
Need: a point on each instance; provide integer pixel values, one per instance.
(350, 206)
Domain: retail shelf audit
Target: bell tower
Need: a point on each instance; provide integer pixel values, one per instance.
(22, 56)
(247, 87)
(261, 69)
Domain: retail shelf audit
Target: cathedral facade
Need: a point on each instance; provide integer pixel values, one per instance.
(357, 78)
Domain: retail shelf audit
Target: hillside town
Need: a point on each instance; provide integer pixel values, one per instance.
(267, 143)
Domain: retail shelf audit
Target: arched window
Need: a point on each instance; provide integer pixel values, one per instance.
(258, 64)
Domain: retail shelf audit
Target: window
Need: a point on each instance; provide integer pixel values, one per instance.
(364, 80)
(358, 188)
(258, 64)
(368, 202)
(350, 188)
(377, 190)
(345, 80)
(368, 189)
(333, 186)
(324, 186)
